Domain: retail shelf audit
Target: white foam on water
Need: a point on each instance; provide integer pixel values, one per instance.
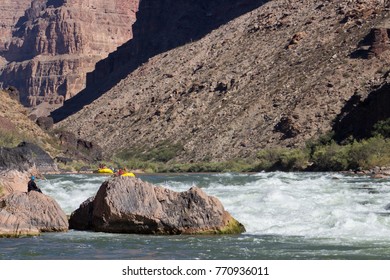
(71, 190)
(290, 204)
(310, 205)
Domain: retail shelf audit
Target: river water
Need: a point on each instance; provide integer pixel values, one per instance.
(286, 215)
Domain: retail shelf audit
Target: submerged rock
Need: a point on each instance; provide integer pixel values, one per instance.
(30, 214)
(129, 205)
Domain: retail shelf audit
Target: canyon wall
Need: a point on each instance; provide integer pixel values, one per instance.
(160, 26)
(11, 11)
(55, 43)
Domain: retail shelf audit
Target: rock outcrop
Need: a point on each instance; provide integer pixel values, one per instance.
(46, 123)
(30, 213)
(55, 43)
(375, 44)
(25, 156)
(19, 163)
(129, 205)
(380, 42)
(79, 149)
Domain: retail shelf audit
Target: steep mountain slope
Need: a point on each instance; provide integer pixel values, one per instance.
(49, 47)
(15, 126)
(276, 76)
(160, 26)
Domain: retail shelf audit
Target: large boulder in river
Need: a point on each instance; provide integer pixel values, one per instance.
(30, 214)
(129, 205)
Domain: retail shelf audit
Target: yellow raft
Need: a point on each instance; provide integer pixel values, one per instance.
(105, 170)
(128, 174)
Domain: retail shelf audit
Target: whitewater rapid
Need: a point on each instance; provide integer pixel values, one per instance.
(312, 205)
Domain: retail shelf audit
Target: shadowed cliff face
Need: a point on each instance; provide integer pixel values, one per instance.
(160, 26)
(359, 115)
(362, 111)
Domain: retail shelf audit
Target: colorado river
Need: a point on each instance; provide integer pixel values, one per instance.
(286, 215)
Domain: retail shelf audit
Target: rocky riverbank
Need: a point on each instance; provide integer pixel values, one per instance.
(376, 172)
(122, 204)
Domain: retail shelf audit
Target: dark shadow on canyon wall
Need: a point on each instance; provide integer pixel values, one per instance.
(358, 117)
(161, 25)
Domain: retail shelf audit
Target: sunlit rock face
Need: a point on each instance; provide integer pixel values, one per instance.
(48, 46)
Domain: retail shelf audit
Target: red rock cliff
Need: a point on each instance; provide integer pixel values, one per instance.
(11, 11)
(56, 42)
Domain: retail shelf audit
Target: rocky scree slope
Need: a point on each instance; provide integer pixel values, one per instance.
(160, 26)
(276, 76)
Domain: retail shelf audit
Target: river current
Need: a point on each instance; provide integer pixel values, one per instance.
(286, 215)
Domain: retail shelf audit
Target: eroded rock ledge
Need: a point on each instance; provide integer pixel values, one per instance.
(129, 205)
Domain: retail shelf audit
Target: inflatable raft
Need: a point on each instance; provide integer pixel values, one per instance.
(105, 171)
(128, 174)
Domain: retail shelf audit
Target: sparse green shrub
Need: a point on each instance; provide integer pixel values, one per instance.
(163, 152)
(322, 154)
(10, 139)
(267, 158)
(369, 153)
(325, 139)
(331, 157)
(382, 128)
(65, 167)
(282, 159)
(294, 159)
(364, 154)
(226, 166)
(134, 163)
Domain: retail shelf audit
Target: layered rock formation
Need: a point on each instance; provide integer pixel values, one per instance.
(30, 214)
(276, 76)
(12, 11)
(129, 205)
(57, 42)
